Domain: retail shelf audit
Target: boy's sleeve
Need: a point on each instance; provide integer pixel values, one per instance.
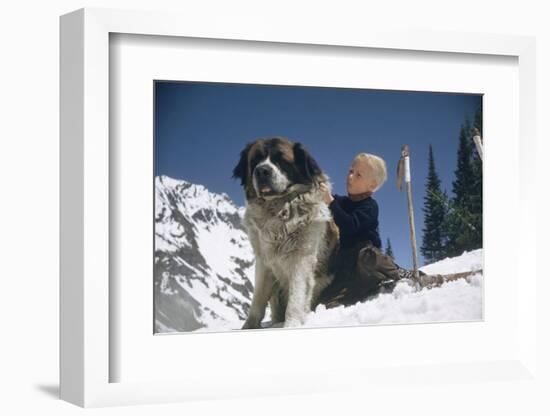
(364, 216)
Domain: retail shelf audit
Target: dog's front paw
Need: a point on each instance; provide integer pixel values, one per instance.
(251, 324)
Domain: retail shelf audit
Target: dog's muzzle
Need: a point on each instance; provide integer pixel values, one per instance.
(264, 176)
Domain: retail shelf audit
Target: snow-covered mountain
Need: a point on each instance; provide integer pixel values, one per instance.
(203, 260)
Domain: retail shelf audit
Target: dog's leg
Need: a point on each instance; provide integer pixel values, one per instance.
(321, 283)
(263, 289)
(277, 304)
(300, 293)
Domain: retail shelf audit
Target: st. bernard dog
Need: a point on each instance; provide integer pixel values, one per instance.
(290, 228)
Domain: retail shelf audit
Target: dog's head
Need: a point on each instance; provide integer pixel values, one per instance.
(268, 168)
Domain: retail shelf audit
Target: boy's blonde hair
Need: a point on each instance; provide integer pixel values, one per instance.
(378, 166)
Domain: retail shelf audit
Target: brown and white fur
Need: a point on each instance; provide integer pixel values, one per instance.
(289, 226)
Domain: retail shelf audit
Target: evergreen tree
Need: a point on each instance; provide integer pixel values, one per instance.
(389, 251)
(433, 238)
(463, 224)
(477, 188)
(463, 173)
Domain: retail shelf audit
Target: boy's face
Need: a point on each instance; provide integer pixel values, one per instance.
(360, 178)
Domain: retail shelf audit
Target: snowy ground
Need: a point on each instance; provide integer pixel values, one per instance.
(459, 300)
(453, 301)
(468, 261)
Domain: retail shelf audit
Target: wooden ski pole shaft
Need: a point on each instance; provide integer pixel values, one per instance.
(411, 216)
(404, 170)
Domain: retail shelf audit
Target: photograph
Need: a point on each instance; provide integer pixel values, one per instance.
(288, 206)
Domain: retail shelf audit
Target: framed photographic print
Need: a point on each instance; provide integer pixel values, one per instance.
(205, 268)
(184, 147)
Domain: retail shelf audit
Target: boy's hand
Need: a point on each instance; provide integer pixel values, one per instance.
(327, 197)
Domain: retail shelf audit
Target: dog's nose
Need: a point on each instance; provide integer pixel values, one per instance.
(262, 171)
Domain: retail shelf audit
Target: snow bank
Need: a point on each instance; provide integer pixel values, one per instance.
(453, 301)
(459, 300)
(467, 262)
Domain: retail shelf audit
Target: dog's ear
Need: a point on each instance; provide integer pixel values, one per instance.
(305, 162)
(241, 170)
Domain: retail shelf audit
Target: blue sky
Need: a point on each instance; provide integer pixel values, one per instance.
(201, 128)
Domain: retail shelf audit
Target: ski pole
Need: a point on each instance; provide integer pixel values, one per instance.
(478, 142)
(404, 170)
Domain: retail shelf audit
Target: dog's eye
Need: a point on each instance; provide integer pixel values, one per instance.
(256, 160)
(278, 158)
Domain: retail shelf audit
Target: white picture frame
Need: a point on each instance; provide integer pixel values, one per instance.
(86, 305)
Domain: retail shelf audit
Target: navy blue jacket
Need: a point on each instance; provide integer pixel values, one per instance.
(356, 220)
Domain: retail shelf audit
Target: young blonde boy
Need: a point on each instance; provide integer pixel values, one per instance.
(359, 266)
(356, 214)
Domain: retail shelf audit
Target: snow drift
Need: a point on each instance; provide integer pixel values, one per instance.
(459, 300)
